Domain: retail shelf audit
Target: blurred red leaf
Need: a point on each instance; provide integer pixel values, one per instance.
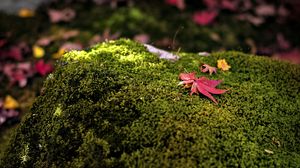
(282, 42)
(255, 20)
(180, 4)
(44, 41)
(247, 4)
(292, 56)
(65, 15)
(18, 73)
(229, 4)
(211, 4)
(2, 42)
(205, 17)
(14, 53)
(265, 10)
(43, 68)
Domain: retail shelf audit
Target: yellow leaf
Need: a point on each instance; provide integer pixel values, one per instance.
(25, 13)
(58, 54)
(10, 103)
(38, 52)
(223, 65)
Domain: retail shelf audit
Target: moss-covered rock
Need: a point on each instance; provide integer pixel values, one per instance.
(117, 105)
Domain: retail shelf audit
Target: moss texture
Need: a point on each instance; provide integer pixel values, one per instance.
(117, 105)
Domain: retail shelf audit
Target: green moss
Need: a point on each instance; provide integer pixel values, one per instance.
(117, 105)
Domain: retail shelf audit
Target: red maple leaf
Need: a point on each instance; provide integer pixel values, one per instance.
(201, 85)
(43, 68)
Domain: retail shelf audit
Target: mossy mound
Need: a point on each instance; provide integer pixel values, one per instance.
(117, 105)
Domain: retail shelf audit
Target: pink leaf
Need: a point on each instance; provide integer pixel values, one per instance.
(255, 20)
(207, 68)
(65, 15)
(229, 4)
(265, 10)
(18, 73)
(44, 41)
(205, 17)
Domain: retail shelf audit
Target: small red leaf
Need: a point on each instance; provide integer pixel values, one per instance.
(201, 85)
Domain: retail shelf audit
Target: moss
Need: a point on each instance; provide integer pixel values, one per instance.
(117, 105)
